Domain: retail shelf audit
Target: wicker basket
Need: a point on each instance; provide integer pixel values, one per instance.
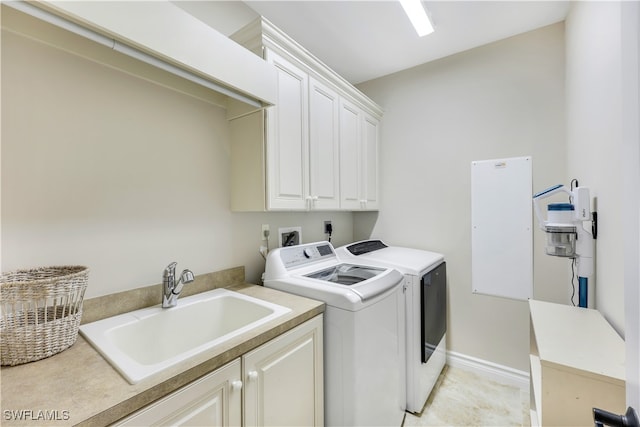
(40, 312)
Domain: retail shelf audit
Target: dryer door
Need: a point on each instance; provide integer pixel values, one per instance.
(433, 313)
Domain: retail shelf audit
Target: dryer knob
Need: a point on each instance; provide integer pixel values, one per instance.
(308, 253)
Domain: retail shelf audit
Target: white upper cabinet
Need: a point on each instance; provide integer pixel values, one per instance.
(358, 158)
(369, 172)
(288, 138)
(350, 155)
(320, 140)
(302, 141)
(324, 148)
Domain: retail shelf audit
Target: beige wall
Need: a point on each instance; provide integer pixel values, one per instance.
(501, 100)
(107, 169)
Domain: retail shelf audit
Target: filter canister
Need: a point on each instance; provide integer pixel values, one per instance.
(561, 230)
(560, 213)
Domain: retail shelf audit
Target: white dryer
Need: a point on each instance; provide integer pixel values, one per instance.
(364, 348)
(426, 310)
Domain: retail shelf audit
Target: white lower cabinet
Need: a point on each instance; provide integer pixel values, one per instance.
(213, 400)
(277, 384)
(284, 379)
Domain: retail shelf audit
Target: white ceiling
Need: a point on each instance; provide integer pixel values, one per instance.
(362, 40)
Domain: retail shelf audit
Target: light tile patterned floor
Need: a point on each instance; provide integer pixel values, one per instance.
(463, 398)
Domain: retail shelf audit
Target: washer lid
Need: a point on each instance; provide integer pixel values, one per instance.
(362, 280)
(346, 274)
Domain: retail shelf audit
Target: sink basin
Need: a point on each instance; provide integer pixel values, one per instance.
(144, 342)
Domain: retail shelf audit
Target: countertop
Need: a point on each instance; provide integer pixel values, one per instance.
(79, 387)
(578, 339)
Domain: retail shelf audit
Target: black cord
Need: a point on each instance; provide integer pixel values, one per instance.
(573, 277)
(572, 181)
(571, 186)
(290, 239)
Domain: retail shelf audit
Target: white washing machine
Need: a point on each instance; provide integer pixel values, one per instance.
(426, 310)
(364, 348)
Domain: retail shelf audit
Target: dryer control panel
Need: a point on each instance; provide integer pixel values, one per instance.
(366, 246)
(296, 256)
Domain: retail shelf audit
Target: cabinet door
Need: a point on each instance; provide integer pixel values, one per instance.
(370, 136)
(350, 156)
(288, 138)
(324, 173)
(359, 134)
(213, 400)
(284, 379)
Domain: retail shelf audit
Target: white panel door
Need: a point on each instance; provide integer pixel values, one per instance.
(324, 173)
(501, 235)
(284, 379)
(288, 138)
(214, 400)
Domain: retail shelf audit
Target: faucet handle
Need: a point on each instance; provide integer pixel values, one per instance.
(170, 270)
(185, 277)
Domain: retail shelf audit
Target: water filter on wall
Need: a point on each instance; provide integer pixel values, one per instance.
(566, 235)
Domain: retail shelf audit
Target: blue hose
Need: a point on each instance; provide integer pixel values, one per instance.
(583, 291)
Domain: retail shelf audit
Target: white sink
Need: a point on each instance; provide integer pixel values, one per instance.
(144, 342)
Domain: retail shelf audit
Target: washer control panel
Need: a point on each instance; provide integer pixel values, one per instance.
(296, 256)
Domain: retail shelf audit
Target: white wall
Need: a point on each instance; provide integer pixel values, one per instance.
(631, 186)
(603, 48)
(106, 169)
(594, 138)
(501, 100)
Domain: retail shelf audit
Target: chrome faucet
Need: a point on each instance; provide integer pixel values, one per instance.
(170, 288)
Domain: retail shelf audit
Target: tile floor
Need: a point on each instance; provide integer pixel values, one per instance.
(463, 398)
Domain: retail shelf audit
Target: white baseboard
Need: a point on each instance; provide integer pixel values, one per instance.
(498, 373)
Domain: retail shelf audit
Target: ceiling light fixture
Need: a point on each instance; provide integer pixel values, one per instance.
(418, 16)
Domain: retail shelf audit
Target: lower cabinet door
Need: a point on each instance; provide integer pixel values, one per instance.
(284, 379)
(213, 400)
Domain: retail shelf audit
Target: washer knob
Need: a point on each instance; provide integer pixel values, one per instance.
(308, 252)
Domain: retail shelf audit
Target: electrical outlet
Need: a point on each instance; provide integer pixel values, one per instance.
(328, 228)
(290, 236)
(265, 231)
